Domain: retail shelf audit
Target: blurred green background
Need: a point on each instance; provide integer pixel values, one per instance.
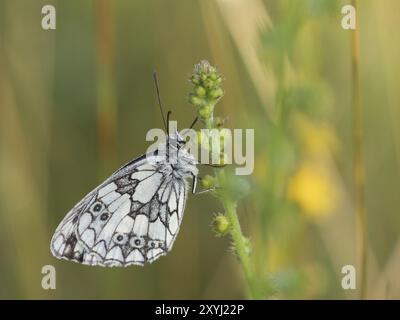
(76, 103)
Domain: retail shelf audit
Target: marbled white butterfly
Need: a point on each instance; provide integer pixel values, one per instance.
(134, 216)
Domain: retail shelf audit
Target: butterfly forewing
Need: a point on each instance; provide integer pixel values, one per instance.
(132, 218)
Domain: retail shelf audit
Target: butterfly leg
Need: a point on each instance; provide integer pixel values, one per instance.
(194, 185)
(204, 191)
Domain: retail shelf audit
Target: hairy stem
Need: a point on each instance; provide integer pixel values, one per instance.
(238, 240)
(206, 93)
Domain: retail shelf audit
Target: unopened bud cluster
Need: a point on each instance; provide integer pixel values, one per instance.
(206, 92)
(207, 89)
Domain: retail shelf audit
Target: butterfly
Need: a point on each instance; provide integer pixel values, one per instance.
(134, 216)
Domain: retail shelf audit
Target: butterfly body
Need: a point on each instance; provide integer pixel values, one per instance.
(134, 216)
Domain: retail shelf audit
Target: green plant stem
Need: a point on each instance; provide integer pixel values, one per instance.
(239, 241)
(359, 176)
(235, 230)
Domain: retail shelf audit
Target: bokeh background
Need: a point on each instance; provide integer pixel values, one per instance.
(76, 103)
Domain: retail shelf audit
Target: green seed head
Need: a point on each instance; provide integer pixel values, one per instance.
(200, 91)
(208, 83)
(195, 100)
(208, 182)
(195, 79)
(221, 224)
(216, 94)
(214, 76)
(206, 89)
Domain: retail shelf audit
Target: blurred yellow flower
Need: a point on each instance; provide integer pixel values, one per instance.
(313, 190)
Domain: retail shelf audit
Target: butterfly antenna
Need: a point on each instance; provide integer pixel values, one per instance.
(168, 115)
(194, 122)
(159, 99)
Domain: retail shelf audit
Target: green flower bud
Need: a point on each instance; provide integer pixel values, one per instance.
(214, 76)
(208, 83)
(216, 94)
(221, 224)
(208, 182)
(195, 100)
(200, 91)
(195, 80)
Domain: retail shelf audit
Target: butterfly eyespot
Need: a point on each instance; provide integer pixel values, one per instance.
(153, 244)
(104, 217)
(96, 207)
(120, 238)
(136, 242)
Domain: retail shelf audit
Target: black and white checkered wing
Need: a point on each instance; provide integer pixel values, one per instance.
(130, 219)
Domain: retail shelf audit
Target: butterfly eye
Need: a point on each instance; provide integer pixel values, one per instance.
(120, 238)
(136, 242)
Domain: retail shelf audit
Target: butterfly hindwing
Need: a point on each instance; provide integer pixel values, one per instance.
(132, 218)
(64, 243)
